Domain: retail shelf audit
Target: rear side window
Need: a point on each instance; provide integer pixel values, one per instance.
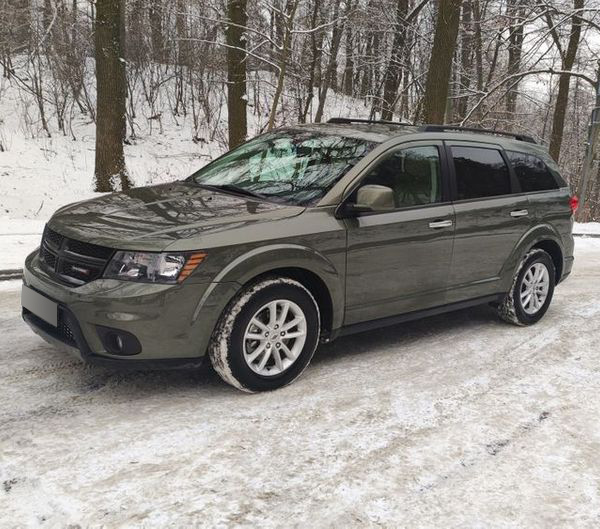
(532, 172)
(480, 172)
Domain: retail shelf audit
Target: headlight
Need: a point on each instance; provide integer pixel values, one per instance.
(153, 267)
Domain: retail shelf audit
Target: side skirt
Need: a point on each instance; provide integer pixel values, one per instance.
(416, 315)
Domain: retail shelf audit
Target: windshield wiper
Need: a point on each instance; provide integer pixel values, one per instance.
(240, 190)
(232, 189)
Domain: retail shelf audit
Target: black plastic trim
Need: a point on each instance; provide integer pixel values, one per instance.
(131, 345)
(444, 128)
(418, 314)
(345, 121)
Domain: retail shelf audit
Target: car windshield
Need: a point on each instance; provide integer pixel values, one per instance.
(291, 166)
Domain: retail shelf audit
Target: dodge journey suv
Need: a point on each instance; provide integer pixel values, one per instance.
(298, 236)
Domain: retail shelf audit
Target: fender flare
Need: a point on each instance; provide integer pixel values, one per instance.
(265, 259)
(533, 236)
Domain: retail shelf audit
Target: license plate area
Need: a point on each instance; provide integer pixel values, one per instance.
(41, 306)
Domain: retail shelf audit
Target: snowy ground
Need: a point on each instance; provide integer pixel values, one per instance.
(454, 421)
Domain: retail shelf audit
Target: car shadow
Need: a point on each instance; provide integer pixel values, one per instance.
(404, 333)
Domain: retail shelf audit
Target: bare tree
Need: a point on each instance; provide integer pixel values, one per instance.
(336, 38)
(236, 72)
(111, 95)
(564, 81)
(287, 30)
(515, 11)
(440, 63)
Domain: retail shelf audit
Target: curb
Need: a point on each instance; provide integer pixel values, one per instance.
(587, 235)
(6, 275)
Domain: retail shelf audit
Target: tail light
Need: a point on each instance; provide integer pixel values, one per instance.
(574, 203)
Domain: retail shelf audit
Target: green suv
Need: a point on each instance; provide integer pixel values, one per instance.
(298, 236)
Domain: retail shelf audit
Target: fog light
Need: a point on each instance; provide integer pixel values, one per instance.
(119, 342)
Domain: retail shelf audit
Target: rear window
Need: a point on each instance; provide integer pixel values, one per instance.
(480, 172)
(533, 174)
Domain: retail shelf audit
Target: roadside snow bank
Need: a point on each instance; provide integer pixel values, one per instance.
(587, 228)
(18, 238)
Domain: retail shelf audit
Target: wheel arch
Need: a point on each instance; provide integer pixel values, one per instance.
(544, 237)
(555, 251)
(314, 284)
(305, 265)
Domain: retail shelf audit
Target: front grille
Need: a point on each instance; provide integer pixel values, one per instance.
(48, 257)
(53, 238)
(91, 250)
(72, 261)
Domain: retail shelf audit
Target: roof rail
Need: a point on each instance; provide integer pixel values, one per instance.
(361, 120)
(442, 128)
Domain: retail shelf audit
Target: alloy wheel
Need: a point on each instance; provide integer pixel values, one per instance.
(534, 288)
(274, 338)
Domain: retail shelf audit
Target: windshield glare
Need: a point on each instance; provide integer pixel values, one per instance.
(292, 166)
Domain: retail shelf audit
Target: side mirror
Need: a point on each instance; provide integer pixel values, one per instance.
(370, 198)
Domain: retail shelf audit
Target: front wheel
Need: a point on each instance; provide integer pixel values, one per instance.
(531, 291)
(266, 336)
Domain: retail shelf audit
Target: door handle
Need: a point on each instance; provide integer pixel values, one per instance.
(519, 213)
(437, 224)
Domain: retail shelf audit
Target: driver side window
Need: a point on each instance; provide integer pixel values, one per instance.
(412, 173)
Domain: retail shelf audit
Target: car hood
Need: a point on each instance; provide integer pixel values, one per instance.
(154, 217)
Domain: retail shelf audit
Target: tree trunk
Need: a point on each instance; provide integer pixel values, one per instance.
(236, 72)
(18, 26)
(183, 45)
(349, 66)
(440, 63)
(284, 57)
(316, 40)
(156, 30)
(478, 45)
(111, 94)
(336, 38)
(367, 69)
(393, 74)
(560, 110)
(515, 47)
(466, 61)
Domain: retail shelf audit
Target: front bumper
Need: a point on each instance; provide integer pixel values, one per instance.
(173, 323)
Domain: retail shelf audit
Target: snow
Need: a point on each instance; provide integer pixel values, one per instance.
(458, 420)
(588, 228)
(18, 237)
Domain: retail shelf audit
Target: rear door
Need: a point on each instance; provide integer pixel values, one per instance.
(491, 217)
(398, 260)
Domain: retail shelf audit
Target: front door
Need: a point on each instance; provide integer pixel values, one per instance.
(398, 260)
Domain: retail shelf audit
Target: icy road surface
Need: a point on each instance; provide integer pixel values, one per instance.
(453, 421)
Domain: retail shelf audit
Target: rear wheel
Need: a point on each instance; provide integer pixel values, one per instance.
(266, 336)
(532, 290)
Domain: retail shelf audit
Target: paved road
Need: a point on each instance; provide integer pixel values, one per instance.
(453, 421)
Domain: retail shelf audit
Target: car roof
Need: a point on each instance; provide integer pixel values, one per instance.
(382, 132)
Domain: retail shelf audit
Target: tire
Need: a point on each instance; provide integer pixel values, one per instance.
(246, 348)
(524, 305)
